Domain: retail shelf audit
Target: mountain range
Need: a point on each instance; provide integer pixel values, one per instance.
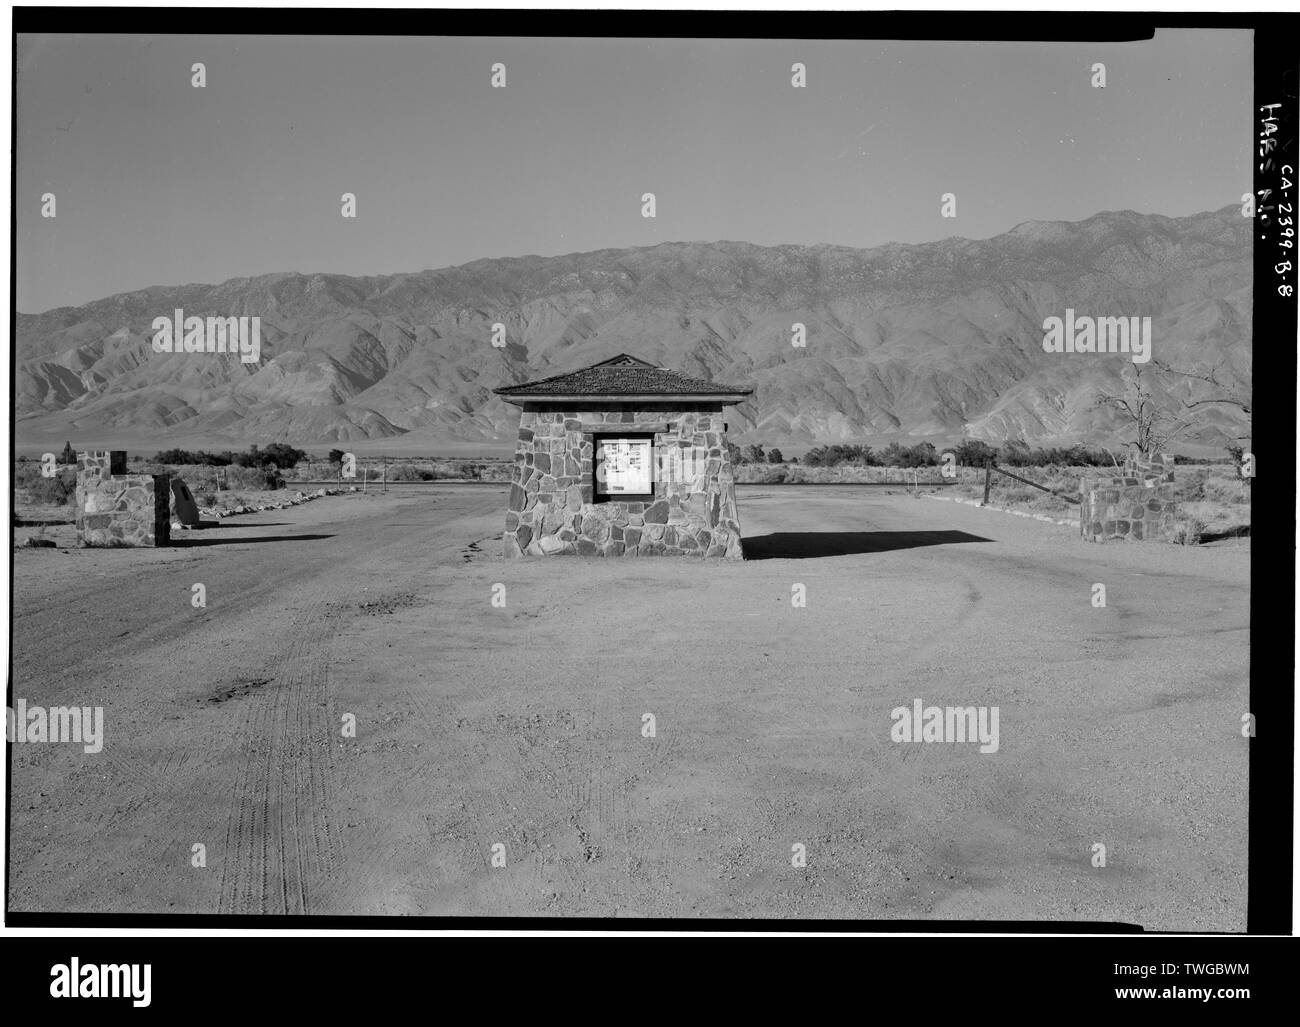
(937, 340)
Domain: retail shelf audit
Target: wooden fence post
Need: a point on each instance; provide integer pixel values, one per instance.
(988, 480)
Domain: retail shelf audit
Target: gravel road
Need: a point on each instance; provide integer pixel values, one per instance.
(518, 730)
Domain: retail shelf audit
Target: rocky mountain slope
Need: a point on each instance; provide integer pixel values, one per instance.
(940, 339)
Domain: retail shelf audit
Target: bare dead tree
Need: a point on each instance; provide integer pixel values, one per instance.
(1224, 394)
(1154, 427)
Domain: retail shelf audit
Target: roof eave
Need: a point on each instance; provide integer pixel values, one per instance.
(724, 398)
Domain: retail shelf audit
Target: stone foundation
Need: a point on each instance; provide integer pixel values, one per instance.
(552, 508)
(120, 509)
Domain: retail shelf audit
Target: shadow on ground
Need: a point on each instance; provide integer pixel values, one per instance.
(204, 525)
(190, 543)
(807, 545)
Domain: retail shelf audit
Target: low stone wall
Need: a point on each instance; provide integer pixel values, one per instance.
(1127, 508)
(120, 509)
(552, 509)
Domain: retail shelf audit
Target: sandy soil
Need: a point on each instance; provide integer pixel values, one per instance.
(522, 725)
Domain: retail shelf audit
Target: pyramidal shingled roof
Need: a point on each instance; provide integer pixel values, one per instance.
(621, 376)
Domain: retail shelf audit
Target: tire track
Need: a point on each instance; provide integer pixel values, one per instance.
(282, 844)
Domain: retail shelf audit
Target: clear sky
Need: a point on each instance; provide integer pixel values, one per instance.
(159, 183)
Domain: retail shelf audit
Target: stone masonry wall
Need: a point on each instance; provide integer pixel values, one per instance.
(551, 510)
(120, 509)
(101, 463)
(1127, 508)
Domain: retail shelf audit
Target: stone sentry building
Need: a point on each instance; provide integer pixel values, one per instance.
(622, 458)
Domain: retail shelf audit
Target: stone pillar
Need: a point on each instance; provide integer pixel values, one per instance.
(120, 509)
(1126, 508)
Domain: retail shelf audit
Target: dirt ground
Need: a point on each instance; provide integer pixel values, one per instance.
(521, 725)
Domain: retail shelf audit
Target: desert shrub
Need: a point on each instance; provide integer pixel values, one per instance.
(1226, 488)
(1219, 518)
(278, 453)
(56, 491)
(181, 457)
(236, 477)
(1017, 453)
(1187, 531)
(26, 474)
(1191, 484)
(920, 455)
(1018, 494)
(283, 456)
(973, 452)
(833, 456)
(409, 472)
